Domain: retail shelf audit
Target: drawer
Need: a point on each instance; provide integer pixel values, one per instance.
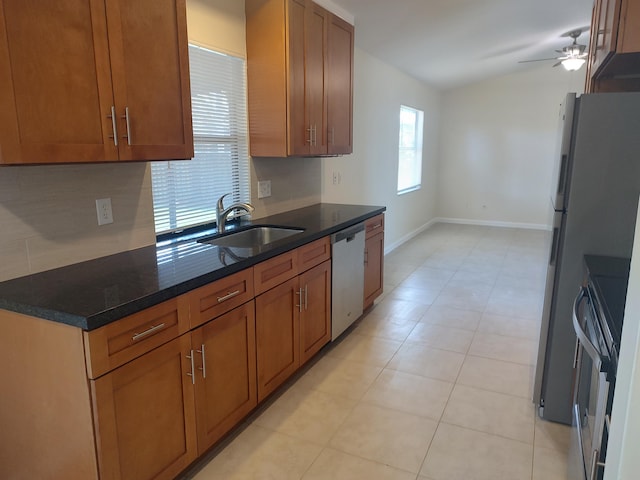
(220, 296)
(274, 271)
(115, 344)
(374, 225)
(313, 254)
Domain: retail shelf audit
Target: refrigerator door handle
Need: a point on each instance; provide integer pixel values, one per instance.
(554, 246)
(562, 180)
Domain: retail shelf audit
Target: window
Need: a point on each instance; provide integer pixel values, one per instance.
(185, 192)
(410, 150)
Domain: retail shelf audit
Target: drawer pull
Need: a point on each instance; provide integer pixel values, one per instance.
(228, 296)
(140, 336)
(377, 225)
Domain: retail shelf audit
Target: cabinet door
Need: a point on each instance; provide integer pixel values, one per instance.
(315, 318)
(307, 32)
(299, 132)
(55, 85)
(144, 415)
(226, 380)
(608, 12)
(277, 336)
(340, 87)
(373, 268)
(149, 62)
(315, 77)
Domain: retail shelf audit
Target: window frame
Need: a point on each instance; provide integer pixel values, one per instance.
(221, 150)
(414, 150)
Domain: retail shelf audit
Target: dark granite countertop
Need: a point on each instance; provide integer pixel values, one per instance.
(94, 293)
(609, 277)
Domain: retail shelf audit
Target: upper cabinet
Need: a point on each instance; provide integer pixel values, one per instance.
(300, 79)
(94, 81)
(614, 50)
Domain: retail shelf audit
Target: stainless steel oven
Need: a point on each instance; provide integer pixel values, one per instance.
(594, 379)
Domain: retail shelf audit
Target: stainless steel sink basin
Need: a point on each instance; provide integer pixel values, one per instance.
(251, 237)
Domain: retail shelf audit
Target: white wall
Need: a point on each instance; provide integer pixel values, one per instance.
(369, 175)
(623, 461)
(498, 142)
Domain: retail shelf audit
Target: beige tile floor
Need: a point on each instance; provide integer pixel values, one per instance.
(433, 383)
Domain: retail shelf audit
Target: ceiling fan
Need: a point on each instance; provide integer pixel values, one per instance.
(573, 56)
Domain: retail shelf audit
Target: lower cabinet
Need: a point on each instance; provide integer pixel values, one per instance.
(225, 363)
(293, 322)
(373, 268)
(144, 416)
(157, 413)
(315, 314)
(277, 335)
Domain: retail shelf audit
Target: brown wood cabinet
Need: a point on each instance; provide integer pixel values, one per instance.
(315, 310)
(277, 336)
(225, 385)
(299, 69)
(143, 397)
(373, 259)
(340, 87)
(144, 415)
(614, 50)
(293, 318)
(157, 413)
(94, 81)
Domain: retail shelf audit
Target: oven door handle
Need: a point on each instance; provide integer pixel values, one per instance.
(584, 340)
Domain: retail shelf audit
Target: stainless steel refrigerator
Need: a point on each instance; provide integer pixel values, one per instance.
(594, 211)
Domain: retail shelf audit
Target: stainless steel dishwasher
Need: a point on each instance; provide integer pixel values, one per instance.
(347, 278)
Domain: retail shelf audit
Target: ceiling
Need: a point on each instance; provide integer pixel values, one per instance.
(449, 43)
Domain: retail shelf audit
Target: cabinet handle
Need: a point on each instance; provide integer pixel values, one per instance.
(113, 125)
(139, 336)
(377, 225)
(315, 136)
(306, 297)
(126, 117)
(192, 374)
(310, 140)
(228, 296)
(204, 367)
(299, 304)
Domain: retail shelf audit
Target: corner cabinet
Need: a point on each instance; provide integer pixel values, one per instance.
(300, 79)
(94, 81)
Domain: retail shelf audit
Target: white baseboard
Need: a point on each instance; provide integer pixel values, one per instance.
(462, 221)
(493, 223)
(389, 248)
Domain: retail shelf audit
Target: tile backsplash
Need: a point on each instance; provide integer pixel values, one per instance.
(48, 213)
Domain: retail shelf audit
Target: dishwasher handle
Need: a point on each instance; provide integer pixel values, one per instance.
(347, 234)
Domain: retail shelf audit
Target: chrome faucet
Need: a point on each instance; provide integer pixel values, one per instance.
(222, 213)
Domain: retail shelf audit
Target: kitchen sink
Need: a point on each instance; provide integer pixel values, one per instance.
(251, 237)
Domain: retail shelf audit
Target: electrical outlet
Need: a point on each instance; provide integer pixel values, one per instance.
(103, 209)
(337, 177)
(264, 188)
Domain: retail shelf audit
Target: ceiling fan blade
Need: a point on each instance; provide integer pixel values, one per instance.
(538, 60)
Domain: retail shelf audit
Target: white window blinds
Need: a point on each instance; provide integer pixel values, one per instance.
(185, 192)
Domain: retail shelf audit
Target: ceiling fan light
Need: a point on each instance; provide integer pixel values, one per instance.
(572, 64)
